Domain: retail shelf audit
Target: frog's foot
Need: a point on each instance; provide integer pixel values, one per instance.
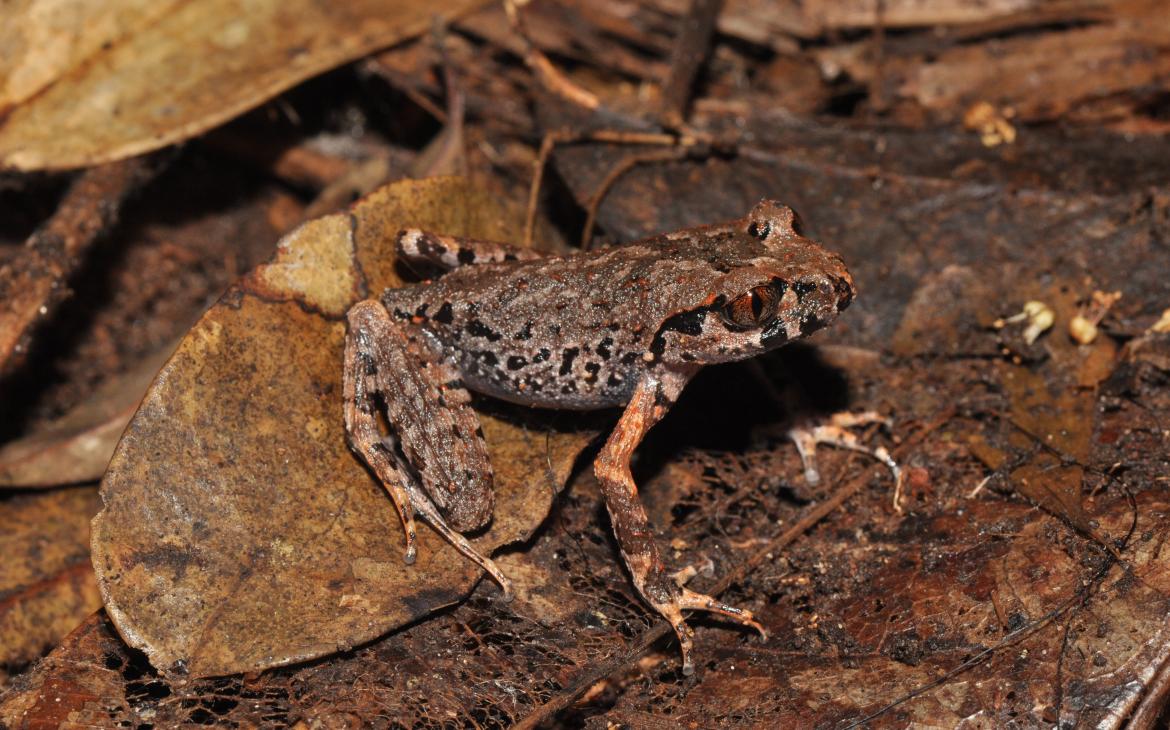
(661, 589)
(426, 508)
(670, 599)
(834, 433)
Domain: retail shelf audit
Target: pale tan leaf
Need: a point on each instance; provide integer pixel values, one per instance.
(146, 79)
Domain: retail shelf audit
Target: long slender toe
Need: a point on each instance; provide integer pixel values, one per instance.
(689, 600)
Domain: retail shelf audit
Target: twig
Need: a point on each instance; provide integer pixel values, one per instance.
(34, 284)
(613, 136)
(686, 58)
(669, 154)
(549, 75)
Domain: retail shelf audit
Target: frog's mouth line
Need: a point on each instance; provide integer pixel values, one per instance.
(775, 334)
(689, 322)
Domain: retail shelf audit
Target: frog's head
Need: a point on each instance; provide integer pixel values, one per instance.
(772, 286)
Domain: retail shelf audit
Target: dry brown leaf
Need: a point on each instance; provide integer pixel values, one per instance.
(45, 39)
(46, 582)
(767, 22)
(119, 79)
(1079, 73)
(76, 447)
(239, 530)
(894, 616)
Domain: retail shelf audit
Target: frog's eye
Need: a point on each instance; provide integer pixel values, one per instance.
(752, 308)
(760, 229)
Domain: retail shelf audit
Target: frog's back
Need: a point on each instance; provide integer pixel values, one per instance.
(563, 332)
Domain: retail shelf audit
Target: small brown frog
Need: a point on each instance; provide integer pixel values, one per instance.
(626, 326)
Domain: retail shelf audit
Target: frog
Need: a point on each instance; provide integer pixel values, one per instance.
(620, 327)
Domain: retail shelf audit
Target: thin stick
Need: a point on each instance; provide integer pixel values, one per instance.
(686, 58)
(612, 136)
(34, 284)
(621, 168)
(550, 77)
(546, 148)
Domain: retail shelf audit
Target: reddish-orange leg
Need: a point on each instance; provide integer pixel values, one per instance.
(661, 589)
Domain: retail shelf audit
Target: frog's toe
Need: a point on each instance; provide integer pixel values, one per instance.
(672, 612)
(683, 599)
(410, 554)
(506, 595)
(692, 601)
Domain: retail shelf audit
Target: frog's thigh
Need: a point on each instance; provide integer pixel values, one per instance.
(428, 410)
(451, 252)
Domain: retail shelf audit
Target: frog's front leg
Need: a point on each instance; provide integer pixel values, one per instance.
(652, 398)
(435, 463)
(450, 252)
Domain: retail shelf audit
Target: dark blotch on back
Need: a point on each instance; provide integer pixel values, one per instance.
(603, 348)
(443, 316)
(516, 362)
(567, 360)
(479, 329)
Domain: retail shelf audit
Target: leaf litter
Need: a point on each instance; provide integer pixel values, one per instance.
(982, 603)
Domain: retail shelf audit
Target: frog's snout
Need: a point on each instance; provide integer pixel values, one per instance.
(838, 285)
(826, 294)
(844, 290)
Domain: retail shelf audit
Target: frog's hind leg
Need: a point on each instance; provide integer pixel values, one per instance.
(450, 252)
(361, 424)
(661, 589)
(440, 469)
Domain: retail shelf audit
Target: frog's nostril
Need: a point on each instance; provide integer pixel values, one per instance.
(803, 288)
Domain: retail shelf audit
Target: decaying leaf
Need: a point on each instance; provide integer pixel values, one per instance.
(239, 531)
(46, 582)
(134, 78)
